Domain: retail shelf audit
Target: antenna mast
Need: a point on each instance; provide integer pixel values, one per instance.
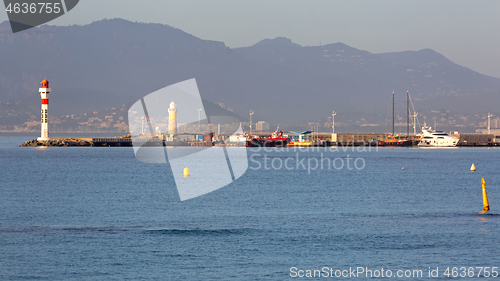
(393, 113)
(407, 114)
(199, 120)
(251, 113)
(415, 114)
(489, 116)
(333, 122)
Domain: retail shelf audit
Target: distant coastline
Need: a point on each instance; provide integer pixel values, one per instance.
(62, 132)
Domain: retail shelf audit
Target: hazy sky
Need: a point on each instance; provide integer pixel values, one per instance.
(467, 32)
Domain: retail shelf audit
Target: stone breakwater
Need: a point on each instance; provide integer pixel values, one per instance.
(59, 142)
(125, 141)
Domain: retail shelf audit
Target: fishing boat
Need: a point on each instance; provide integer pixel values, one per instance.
(301, 143)
(237, 139)
(275, 140)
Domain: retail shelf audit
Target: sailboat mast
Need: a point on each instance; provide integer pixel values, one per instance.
(407, 114)
(393, 113)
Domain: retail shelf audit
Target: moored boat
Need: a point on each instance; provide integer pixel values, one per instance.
(395, 141)
(275, 140)
(433, 138)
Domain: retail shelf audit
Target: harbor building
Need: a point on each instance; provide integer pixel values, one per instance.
(262, 126)
(477, 139)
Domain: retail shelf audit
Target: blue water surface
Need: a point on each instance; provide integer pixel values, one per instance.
(83, 213)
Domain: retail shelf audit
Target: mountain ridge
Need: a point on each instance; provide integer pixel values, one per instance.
(113, 62)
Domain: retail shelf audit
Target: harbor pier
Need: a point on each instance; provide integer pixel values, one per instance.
(211, 139)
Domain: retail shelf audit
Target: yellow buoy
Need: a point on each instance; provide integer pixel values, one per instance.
(486, 204)
(473, 167)
(186, 172)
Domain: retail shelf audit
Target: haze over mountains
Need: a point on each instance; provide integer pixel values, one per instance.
(113, 62)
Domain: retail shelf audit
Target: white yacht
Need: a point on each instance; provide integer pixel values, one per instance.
(437, 138)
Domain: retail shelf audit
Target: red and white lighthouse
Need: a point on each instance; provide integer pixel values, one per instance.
(44, 93)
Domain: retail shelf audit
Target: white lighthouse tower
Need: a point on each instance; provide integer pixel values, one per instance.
(172, 119)
(44, 93)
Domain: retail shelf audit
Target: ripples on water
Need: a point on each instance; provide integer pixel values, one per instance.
(99, 214)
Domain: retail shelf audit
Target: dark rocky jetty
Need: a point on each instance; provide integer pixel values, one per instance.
(58, 142)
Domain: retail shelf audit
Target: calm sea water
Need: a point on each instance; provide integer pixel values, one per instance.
(99, 214)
